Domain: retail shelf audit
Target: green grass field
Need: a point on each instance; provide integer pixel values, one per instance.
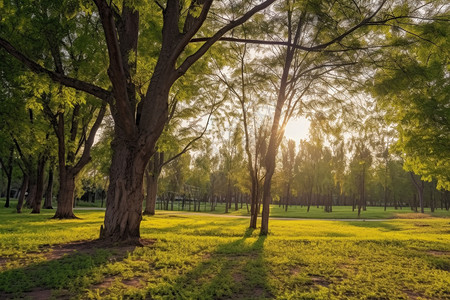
(205, 257)
(339, 212)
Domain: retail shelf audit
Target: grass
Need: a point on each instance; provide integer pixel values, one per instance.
(205, 257)
(339, 212)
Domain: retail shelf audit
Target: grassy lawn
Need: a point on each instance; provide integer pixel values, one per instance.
(204, 257)
(339, 212)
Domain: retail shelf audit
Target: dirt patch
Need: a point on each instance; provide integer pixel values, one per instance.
(133, 282)
(412, 295)
(90, 247)
(320, 281)
(238, 277)
(256, 292)
(294, 270)
(106, 283)
(413, 216)
(3, 261)
(438, 253)
(36, 294)
(39, 294)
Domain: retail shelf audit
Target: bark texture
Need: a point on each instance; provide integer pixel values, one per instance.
(49, 191)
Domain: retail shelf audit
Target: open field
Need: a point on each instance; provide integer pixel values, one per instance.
(198, 257)
(339, 212)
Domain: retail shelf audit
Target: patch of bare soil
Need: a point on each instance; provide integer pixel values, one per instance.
(412, 295)
(438, 253)
(413, 216)
(89, 247)
(238, 277)
(320, 281)
(3, 261)
(135, 282)
(39, 294)
(254, 293)
(106, 283)
(295, 270)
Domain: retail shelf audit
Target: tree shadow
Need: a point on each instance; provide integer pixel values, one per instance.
(234, 270)
(69, 267)
(381, 225)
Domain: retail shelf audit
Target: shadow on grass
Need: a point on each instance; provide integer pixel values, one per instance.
(235, 270)
(70, 267)
(383, 226)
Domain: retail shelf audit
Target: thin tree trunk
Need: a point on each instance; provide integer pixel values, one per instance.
(419, 188)
(23, 191)
(152, 175)
(49, 190)
(8, 170)
(36, 203)
(150, 199)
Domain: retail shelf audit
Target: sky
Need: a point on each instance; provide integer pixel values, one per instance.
(297, 129)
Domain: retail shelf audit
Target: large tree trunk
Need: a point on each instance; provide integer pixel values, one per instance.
(36, 203)
(65, 196)
(23, 190)
(31, 191)
(125, 193)
(49, 190)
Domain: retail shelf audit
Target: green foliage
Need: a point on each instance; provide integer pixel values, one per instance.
(415, 95)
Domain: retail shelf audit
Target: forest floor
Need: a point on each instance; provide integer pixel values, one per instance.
(206, 257)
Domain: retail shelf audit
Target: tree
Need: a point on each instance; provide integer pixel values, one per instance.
(413, 87)
(319, 43)
(138, 126)
(8, 169)
(288, 161)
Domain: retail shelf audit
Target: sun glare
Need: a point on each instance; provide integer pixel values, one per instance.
(297, 129)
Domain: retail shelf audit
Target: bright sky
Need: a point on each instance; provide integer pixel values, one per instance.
(297, 129)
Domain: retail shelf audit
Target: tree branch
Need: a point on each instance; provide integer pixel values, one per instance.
(59, 78)
(189, 61)
(316, 48)
(86, 156)
(188, 146)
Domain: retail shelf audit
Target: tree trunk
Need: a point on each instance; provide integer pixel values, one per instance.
(36, 203)
(254, 203)
(31, 191)
(125, 193)
(23, 190)
(153, 171)
(150, 199)
(419, 188)
(8, 186)
(9, 170)
(65, 196)
(49, 190)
